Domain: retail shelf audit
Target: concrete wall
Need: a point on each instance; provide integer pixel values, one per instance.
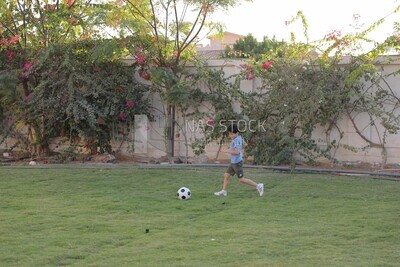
(360, 151)
(184, 136)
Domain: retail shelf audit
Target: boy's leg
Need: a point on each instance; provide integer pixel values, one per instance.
(260, 187)
(224, 191)
(227, 177)
(247, 181)
(240, 174)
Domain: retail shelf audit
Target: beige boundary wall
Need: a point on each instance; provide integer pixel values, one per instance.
(363, 152)
(147, 138)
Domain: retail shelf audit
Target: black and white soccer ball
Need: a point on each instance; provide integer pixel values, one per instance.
(184, 193)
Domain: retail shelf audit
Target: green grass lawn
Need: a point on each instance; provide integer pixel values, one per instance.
(98, 216)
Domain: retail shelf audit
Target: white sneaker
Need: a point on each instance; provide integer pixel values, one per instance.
(221, 193)
(260, 188)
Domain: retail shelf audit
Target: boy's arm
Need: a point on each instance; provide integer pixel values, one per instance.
(234, 151)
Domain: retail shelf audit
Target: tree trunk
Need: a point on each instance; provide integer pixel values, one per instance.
(170, 131)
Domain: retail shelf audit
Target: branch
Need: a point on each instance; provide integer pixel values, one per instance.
(177, 29)
(131, 5)
(15, 25)
(372, 144)
(43, 28)
(186, 43)
(152, 24)
(390, 89)
(166, 21)
(160, 55)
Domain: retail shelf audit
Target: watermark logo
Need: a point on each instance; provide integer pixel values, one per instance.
(194, 126)
(141, 128)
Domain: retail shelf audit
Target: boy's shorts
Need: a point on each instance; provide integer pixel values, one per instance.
(236, 168)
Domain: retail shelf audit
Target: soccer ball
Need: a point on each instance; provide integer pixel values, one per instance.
(183, 193)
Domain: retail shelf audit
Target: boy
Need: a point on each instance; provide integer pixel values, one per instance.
(236, 166)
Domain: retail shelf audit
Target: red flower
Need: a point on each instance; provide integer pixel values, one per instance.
(210, 122)
(13, 40)
(122, 116)
(9, 54)
(248, 71)
(140, 58)
(27, 66)
(10, 119)
(267, 64)
(69, 2)
(129, 104)
(333, 35)
(29, 97)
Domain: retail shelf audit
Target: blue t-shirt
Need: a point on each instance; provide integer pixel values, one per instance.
(236, 143)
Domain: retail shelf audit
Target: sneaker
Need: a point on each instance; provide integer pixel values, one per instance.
(260, 188)
(221, 193)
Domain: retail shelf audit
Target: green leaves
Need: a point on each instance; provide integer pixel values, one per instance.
(74, 90)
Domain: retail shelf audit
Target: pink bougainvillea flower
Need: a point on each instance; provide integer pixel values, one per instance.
(267, 65)
(346, 43)
(333, 35)
(249, 76)
(29, 97)
(27, 66)
(122, 116)
(249, 72)
(69, 2)
(140, 58)
(10, 119)
(9, 54)
(210, 122)
(24, 75)
(13, 40)
(129, 104)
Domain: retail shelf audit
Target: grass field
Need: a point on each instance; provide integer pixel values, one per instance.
(98, 216)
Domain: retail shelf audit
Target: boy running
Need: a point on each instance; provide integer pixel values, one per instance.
(236, 165)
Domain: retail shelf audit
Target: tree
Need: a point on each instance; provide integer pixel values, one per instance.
(83, 97)
(302, 90)
(170, 31)
(28, 28)
(249, 47)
